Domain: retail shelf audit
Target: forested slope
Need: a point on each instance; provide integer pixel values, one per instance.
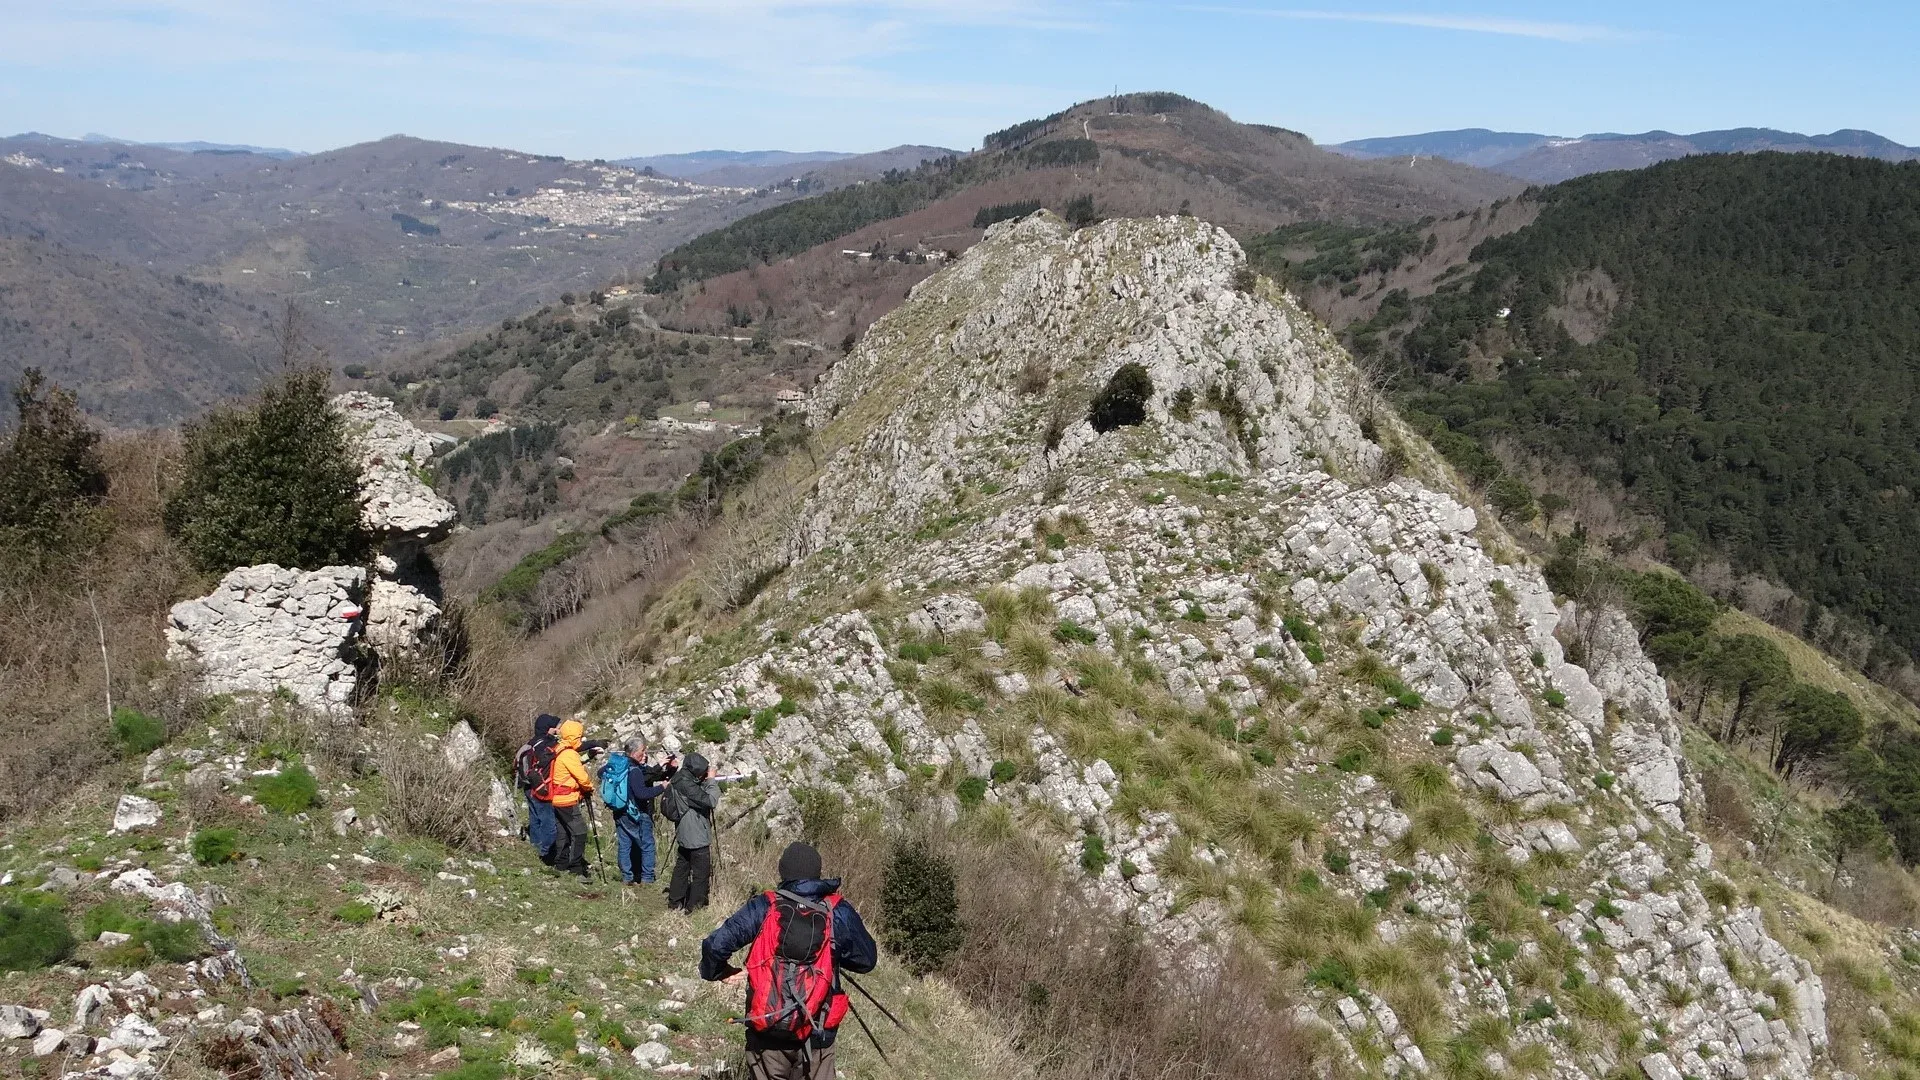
(1731, 341)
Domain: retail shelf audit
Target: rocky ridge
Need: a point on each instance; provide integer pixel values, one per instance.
(1260, 631)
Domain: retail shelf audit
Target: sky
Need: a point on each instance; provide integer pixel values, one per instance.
(614, 78)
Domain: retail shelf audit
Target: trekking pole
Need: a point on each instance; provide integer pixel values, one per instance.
(862, 1021)
(875, 1000)
(599, 855)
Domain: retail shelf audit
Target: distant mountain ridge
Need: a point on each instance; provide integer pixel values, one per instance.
(1549, 159)
(763, 168)
(704, 161)
(197, 146)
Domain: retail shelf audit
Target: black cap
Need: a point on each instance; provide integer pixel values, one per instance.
(800, 862)
(544, 724)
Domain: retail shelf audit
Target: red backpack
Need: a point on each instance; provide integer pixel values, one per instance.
(791, 991)
(533, 768)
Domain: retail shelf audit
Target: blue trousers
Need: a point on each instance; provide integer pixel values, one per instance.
(540, 827)
(633, 841)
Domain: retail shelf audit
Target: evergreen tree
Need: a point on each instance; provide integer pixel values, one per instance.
(52, 479)
(921, 908)
(275, 483)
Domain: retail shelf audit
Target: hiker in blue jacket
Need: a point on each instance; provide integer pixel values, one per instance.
(628, 785)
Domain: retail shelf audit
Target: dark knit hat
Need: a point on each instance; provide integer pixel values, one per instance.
(800, 862)
(544, 724)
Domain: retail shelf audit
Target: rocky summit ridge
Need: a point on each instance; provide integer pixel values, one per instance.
(1255, 665)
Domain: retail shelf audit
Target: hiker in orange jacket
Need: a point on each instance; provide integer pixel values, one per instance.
(570, 785)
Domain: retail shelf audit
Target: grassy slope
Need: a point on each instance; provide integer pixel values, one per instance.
(539, 950)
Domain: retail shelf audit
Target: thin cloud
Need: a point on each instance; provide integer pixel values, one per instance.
(1576, 33)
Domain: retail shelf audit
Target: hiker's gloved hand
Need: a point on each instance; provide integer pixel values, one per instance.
(733, 975)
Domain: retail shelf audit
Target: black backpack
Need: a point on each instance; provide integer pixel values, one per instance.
(672, 805)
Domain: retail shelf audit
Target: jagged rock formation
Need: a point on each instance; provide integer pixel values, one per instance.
(401, 508)
(1270, 561)
(269, 627)
(404, 514)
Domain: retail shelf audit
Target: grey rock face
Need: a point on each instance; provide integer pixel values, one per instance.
(399, 504)
(18, 1022)
(1175, 547)
(133, 812)
(267, 627)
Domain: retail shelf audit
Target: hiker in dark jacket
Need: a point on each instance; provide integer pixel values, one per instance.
(691, 798)
(540, 826)
(633, 822)
(769, 1058)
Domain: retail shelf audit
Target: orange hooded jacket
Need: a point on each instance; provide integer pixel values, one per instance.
(569, 779)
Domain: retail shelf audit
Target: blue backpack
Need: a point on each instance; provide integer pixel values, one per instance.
(613, 782)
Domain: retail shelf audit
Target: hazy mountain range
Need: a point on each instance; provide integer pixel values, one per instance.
(1549, 159)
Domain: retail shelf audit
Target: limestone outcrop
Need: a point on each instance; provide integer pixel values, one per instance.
(401, 507)
(405, 515)
(978, 584)
(268, 628)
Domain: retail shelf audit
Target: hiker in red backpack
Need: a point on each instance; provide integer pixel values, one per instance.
(531, 768)
(801, 936)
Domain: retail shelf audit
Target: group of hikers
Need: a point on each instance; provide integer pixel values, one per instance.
(800, 936)
(551, 772)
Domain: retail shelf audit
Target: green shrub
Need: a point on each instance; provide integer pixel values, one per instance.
(1336, 861)
(108, 916)
(1333, 974)
(212, 847)
(735, 714)
(1004, 771)
(1072, 632)
(920, 907)
(1123, 401)
(290, 791)
(136, 732)
(1302, 631)
(1541, 1009)
(1555, 698)
(917, 651)
(972, 791)
(171, 942)
(1194, 613)
(710, 729)
(1263, 755)
(274, 483)
(355, 913)
(1603, 781)
(32, 937)
(440, 1013)
(1443, 736)
(1093, 853)
(52, 481)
